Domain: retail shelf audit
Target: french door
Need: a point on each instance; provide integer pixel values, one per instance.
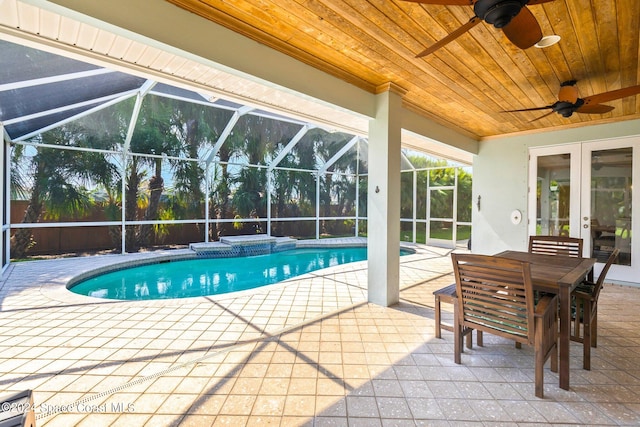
(587, 190)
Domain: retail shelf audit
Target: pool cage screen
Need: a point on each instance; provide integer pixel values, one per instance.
(100, 161)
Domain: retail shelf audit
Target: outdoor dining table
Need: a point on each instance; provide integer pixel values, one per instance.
(559, 275)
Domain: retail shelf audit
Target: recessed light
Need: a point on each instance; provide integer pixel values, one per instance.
(547, 41)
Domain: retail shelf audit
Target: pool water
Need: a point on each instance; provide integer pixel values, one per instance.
(213, 276)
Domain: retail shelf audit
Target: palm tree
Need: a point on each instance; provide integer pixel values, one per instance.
(154, 134)
(256, 138)
(220, 192)
(133, 178)
(327, 145)
(284, 186)
(406, 194)
(189, 175)
(59, 180)
(305, 182)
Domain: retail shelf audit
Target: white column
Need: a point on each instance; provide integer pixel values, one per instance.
(383, 204)
(5, 200)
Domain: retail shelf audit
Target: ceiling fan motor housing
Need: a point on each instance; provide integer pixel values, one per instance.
(498, 12)
(566, 109)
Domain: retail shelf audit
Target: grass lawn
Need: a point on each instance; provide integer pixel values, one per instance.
(464, 233)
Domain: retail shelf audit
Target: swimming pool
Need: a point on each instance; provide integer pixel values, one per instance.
(214, 276)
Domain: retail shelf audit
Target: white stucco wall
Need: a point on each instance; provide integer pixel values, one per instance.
(500, 180)
(500, 174)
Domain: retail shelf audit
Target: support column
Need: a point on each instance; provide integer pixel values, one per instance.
(5, 200)
(383, 199)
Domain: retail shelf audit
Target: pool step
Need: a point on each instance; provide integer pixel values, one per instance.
(284, 244)
(232, 246)
(210, 248)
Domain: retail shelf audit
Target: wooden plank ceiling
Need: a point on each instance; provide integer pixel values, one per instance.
(467, 84)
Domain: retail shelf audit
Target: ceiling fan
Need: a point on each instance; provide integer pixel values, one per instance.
(568, 101)
(512, 16)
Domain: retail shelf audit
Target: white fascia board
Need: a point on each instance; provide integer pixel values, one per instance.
(224, 49)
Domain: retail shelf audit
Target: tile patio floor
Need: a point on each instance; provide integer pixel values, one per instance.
(310, 352)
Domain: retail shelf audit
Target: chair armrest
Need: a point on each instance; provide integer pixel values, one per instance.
(585, 287)
(582, 295)
(546, 303)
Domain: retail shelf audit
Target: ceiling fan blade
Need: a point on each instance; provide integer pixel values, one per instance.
(523, 30)
(464, 2)
(529, 109)
(452, 36)
(542, 116)
(612, 95)
(447, 2)
(594, 109)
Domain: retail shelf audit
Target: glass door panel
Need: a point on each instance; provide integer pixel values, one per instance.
(553, 174)
(553, 193)
(611, 184)
(608, 200)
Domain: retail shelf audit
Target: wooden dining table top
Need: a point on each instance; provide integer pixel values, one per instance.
(548, 272)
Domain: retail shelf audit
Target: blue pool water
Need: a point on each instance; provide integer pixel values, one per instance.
(213, 276)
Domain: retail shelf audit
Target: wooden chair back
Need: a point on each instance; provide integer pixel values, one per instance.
(556, 245)
(495, 295)
(603, 274)
(585, 327)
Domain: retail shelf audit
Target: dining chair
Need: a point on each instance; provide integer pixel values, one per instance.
(585, 315)
(448, 295)
(495, 295)
(556, 245)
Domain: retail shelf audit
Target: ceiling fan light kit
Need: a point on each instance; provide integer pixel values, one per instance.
(547, 41)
